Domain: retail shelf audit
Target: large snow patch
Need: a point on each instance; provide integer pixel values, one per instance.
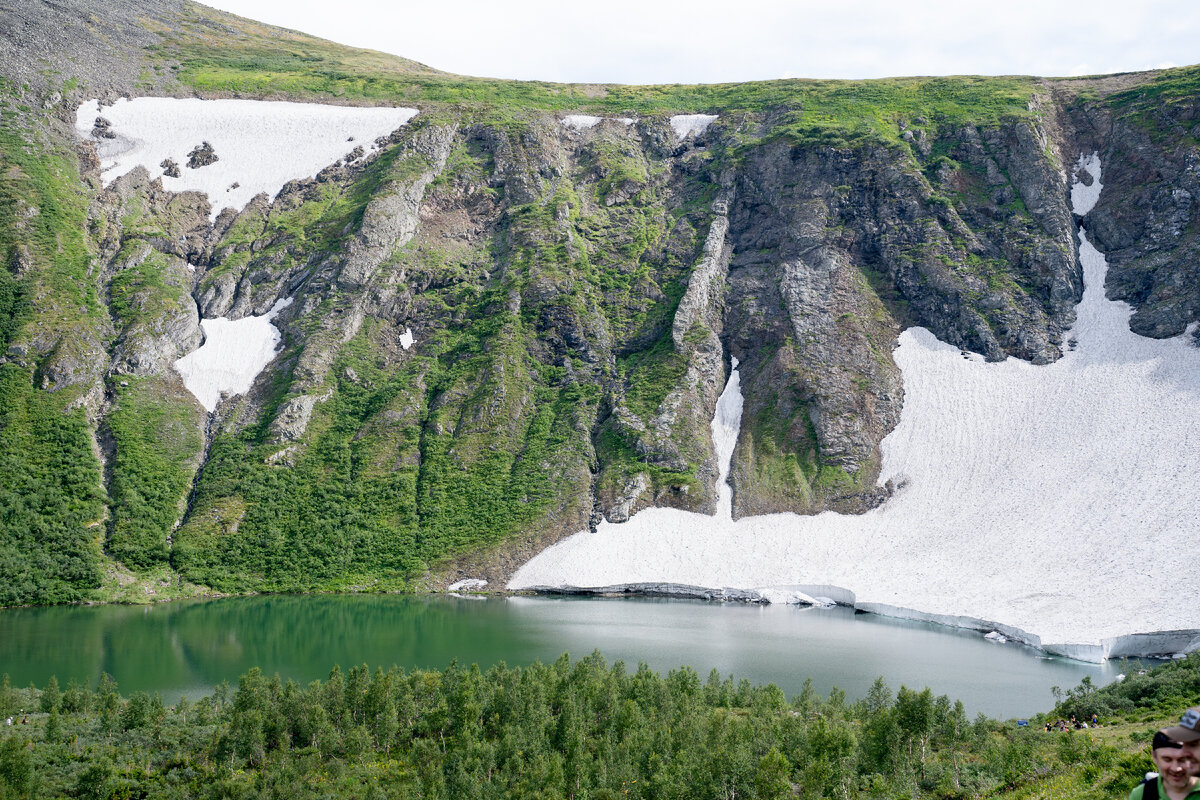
(1057, 503)
(260, 145)
(233, 354)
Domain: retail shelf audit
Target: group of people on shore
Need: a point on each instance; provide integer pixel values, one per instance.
(1063, 725)
(1176, 754)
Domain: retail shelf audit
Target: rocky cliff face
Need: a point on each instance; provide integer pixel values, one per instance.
(574, 294)
(852, 244)
(1147, 137)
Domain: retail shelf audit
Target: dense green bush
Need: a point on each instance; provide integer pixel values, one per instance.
(1163, 691)
(50, 497)
(14, 307)
(157, 442)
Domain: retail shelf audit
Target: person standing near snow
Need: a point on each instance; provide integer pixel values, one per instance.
(1174, 780)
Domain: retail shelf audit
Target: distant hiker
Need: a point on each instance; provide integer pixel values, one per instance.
(1174, 780)
(1095, 721)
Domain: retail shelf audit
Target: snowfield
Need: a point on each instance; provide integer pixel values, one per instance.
(1056, 505)
(233, 354)
(260, 145)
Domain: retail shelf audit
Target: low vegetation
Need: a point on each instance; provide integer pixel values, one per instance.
(50, 498)
(156, 440)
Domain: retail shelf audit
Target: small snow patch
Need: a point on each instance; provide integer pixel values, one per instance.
(468, 583)
(726, 423)
(686, 125)
(233, 354)
(406, 338)
(1083, 198)
(580, 121)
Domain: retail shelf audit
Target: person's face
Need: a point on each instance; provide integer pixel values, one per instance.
(1175, 766)
(1191, 751)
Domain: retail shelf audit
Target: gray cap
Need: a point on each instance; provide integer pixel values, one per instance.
(1188, 729)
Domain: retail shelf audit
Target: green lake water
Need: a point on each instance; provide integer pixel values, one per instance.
(189, 647)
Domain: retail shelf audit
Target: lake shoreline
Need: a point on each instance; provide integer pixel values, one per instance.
(1151, 645)
(188, 647)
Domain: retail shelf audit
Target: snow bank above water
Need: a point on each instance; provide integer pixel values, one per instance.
(260, 145)
(1054, 504)
(231, 357)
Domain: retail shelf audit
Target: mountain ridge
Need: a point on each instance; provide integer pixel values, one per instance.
(566, 366)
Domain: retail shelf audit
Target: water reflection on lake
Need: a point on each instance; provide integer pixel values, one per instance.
(187, 648)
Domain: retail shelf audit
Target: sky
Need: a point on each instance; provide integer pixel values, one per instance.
(703, 41)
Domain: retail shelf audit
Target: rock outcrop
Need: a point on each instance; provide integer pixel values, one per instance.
(1148, 220)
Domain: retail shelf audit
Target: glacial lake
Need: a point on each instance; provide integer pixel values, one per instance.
(189, 647)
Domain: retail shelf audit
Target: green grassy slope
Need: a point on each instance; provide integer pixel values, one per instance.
(51, 500)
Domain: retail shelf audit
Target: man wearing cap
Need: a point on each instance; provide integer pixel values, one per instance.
(1187, 733)
(1175, 780)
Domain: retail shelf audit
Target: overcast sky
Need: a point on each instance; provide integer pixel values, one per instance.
(702, 41)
